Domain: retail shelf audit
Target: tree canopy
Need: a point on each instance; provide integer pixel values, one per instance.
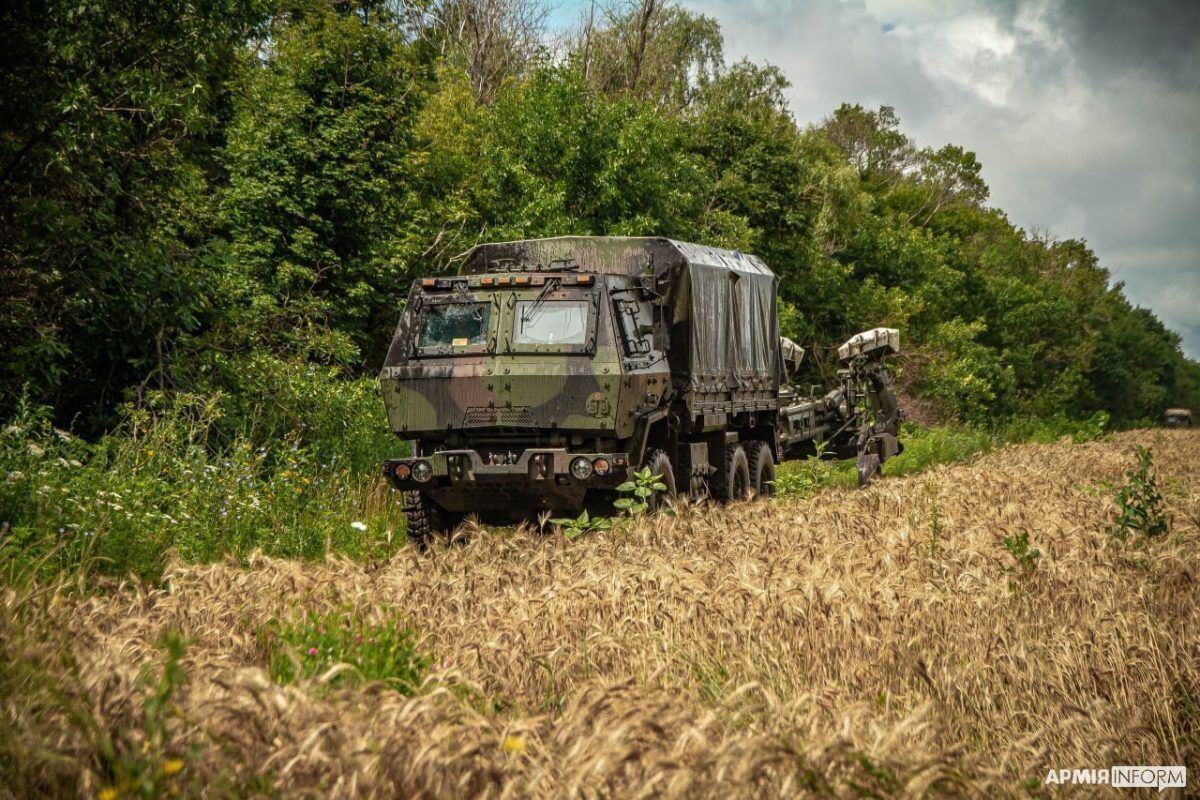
(185, 185)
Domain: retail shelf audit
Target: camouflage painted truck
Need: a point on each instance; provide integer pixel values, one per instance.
(547, 370)
(1177, 418)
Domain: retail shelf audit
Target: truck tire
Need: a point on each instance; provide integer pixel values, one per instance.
(732, 482)
(425, 518)
(659, 463)
(762, 468)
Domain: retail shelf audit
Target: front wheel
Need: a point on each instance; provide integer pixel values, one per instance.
(425, 518)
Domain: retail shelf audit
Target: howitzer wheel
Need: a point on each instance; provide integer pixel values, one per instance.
(425, 518)
(732, 482)
(762, 468)
(659, 463)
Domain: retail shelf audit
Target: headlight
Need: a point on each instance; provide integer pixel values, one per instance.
(601, 466)
(403, 471)
(581, 468)
(422, 471)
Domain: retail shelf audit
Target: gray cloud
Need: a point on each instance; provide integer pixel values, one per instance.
(1085, 115)
(1156, 37)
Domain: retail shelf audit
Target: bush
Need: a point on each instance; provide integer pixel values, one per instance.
(182, 475)
(1051, 429)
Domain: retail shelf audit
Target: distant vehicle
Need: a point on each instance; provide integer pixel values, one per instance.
(549, 369)
(1178, 418)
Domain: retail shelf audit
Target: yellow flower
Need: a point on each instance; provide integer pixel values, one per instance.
(172, 767)
(107, 794)
(514, 744)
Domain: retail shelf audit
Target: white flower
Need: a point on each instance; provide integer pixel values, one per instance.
(358, 526)
(36, 451)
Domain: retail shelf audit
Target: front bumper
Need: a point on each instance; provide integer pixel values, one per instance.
(537, 466)
(537, 479)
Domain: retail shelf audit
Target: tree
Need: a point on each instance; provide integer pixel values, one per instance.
(111, 116)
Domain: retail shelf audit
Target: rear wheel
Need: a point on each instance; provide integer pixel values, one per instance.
(425, 518)
(659, 463)
(733, 482)
(762, 468)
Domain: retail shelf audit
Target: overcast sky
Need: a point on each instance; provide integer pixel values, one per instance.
(1085, 115)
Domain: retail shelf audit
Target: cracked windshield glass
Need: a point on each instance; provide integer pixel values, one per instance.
(455, 325)
(551, 323)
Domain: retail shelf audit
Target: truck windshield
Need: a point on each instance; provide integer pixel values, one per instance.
(554, 322)
(455, 325)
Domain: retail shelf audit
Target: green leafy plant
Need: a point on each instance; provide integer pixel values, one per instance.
(1139, 502)
(1026, 557)
(386, 651)
(640, 491)
(573, 528)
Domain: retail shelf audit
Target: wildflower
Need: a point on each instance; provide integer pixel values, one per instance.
(172, 767)
(36, 451)
(358, 526)
(312, 651)
(514, 744)
(108, 794)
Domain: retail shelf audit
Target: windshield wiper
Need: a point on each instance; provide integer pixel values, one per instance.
(532, 311)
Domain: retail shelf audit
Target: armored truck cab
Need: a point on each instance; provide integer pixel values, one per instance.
(547, 369)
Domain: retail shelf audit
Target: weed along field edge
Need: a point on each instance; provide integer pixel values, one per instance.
(960, 631)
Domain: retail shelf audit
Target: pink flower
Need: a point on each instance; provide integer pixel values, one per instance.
(312, 651)
(358, 638)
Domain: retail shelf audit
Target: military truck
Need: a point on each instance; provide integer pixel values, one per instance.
(1177, 418)
(547, 370)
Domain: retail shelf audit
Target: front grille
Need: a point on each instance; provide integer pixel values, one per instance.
(491, 416)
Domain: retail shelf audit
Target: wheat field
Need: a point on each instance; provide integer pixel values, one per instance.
(880, 643)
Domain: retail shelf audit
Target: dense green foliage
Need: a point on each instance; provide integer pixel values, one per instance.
(186, 186)
(163, 486)
(210, 212)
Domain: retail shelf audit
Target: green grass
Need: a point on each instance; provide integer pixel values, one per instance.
(345, 649)
(179, 478)
(927, 446)
(923, 447)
